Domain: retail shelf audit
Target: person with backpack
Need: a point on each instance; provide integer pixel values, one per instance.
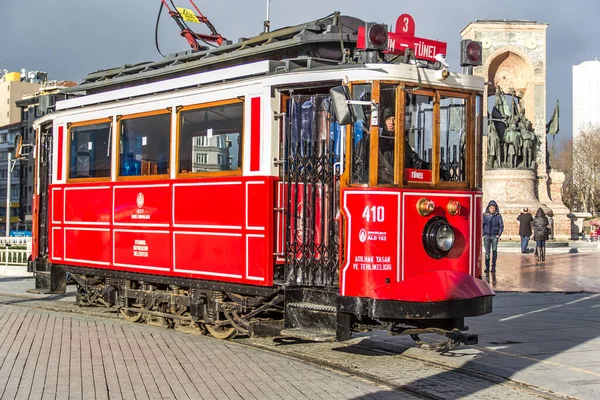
(492, 230)
(540, 234)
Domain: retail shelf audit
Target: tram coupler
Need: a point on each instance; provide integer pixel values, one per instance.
(459, 337)
(453, 337)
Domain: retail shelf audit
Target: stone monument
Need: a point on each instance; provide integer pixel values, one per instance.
(516, 169)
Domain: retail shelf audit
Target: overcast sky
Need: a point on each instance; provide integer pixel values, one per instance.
(70, 38)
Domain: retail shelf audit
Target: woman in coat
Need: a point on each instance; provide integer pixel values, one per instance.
(540, 233)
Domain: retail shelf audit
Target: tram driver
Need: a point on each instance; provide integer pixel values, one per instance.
(386, 149)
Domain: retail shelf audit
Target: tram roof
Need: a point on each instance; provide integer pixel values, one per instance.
(318, 39)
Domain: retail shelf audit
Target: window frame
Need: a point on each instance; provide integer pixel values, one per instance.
(433, 93)
(209, 174)
(469, 163)
(349, 151)
(117, 135)
(68, 152)
(436, 93)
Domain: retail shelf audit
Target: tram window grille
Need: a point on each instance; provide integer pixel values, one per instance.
(311, 193)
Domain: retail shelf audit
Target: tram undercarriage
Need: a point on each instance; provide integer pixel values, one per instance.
(227, 310)
(201, 307)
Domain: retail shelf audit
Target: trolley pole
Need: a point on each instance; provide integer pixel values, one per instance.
(8, 195)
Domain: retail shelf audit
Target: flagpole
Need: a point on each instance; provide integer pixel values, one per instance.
(267, 23)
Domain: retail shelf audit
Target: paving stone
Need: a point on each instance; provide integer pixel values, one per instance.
(50, 355)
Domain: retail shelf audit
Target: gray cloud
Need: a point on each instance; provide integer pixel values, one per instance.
(69, 38)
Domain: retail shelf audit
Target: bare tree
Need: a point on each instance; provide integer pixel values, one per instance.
(563, 161)
(586, 169)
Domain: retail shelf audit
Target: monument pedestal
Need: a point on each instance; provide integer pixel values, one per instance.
(562, 222)
(577, 223)
(512, 189)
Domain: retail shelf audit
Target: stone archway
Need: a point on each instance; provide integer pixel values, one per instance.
(512, 70)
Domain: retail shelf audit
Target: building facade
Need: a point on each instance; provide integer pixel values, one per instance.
(7, 145)
(13, 86)
(586, 96)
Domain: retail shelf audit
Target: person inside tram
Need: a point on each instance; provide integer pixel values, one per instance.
(386, 149)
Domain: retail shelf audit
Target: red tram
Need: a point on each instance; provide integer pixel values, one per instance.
(326, 175)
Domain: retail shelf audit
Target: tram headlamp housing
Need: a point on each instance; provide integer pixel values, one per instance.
(438, 237)
(425, 206)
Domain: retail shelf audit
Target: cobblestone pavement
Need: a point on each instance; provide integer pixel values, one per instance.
(415, 374)
(52, 355)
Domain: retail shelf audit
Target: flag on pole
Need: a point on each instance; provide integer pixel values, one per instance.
(515, 107)
(552, 126)
(500, 103)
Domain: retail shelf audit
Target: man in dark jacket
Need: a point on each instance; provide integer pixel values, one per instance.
(525, 219)
(492, 230)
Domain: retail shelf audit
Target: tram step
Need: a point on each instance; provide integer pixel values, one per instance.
(320, 319)
(313, 336)
(313, 307)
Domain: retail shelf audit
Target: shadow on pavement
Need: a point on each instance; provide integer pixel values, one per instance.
(549, 337)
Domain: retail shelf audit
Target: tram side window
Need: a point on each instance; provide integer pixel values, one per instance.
(90, 153)
(360, 135)
(418, 133)
(210, 138)
(453, 139)
(144, 145)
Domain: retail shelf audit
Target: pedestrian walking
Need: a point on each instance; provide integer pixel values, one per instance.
(525, 219)
(492, 230)
(540, 234)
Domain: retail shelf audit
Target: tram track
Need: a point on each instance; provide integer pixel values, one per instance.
(485, 380)
(349, 358)
(494, 379)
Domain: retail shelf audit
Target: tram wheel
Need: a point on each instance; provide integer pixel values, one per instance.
(131, 316)
(221, 332)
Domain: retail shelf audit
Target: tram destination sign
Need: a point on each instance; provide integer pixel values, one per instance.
(423, 49)
(404, 38)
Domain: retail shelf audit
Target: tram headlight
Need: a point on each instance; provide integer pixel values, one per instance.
(438, 237)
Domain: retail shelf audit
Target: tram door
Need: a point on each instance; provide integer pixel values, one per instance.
(310, 173)
(44, 172)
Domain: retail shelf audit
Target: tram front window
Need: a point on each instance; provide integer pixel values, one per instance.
(418, 135)
(360, 135)
(453, 139)
(387, 134)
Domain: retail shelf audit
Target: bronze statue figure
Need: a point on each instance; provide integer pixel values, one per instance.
(512, 142)
(529, 145)
(493, 147)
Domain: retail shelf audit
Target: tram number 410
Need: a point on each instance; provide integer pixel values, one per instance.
(374, 214)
